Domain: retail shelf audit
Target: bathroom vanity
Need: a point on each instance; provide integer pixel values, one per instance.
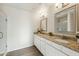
(56, 46)
(66, 23)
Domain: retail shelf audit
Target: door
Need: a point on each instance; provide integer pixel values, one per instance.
(3, 34)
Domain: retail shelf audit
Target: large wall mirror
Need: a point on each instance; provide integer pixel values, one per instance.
(65, 21)
(43, 24)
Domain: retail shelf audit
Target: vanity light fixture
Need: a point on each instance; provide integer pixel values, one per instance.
(56, 5)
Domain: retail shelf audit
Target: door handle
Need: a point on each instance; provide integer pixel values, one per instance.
(1, 35)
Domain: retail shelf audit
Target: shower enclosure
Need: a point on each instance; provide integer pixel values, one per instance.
(3, 34)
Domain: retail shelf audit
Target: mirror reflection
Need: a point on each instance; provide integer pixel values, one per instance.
(65, 21)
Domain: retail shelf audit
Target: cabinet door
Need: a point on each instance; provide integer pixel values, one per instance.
(40, 43)
(43, 46)
(37, 42)
(52, 51)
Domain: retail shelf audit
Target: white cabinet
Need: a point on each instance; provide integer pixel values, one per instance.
(40, 44)
(49, 48)
(69, 51)
(52, 51)
(45, 48)
(37, 42)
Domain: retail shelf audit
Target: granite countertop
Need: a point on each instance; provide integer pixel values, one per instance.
(69, 43)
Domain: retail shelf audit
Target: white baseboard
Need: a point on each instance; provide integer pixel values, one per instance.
(21, 47)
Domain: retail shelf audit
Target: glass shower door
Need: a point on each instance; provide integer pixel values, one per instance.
(3, 35)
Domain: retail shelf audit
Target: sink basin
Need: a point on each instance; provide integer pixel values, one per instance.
(62, 41)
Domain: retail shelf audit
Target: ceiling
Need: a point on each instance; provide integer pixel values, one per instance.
(26, 6)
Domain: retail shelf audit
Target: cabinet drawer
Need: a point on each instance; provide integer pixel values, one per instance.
(54, 44)
(51, 51)
(69, 51)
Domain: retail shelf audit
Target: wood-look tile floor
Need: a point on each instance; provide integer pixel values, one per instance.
(30, 51)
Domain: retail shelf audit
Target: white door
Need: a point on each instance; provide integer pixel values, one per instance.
(3, 34)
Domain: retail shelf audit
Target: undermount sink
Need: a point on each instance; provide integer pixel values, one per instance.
(61, 41)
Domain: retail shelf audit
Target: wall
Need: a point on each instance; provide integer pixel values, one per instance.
(41, 10)
(49, 10)
(19, 28)
(51, 18)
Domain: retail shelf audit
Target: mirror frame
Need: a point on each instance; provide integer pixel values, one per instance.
(41, 22)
